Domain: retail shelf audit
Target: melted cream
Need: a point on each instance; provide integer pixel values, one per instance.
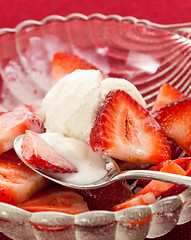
(91, 166)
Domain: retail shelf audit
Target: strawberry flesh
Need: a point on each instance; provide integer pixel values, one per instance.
(167, 94)
(17, 181)
(184, 163)
(125, 130)
(41, 155)
(56, 198)
(156, 187)
(175, 120)
(145, 199)
(65, 63)
(15, 123)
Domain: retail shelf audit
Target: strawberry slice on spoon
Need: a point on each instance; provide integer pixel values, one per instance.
(42, 156)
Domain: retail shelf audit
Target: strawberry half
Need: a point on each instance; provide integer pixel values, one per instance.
(41, 155)
(105, 198)
(15, 123)
(17, 181)
(56, 198)
(167, 94)
(65, 63)
(175, 120)
(125, 130)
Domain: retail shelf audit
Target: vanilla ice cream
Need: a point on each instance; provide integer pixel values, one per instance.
(119, 83)
(71, 105)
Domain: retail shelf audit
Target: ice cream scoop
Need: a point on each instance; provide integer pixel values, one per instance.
(71, 106)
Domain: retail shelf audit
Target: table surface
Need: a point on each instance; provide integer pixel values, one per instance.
(158, 11)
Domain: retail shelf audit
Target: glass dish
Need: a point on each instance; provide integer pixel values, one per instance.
(146, 54)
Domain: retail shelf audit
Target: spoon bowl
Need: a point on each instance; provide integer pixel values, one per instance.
(113, 173)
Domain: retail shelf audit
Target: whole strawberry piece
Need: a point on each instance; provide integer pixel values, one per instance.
(65, 63)
(39, 154)
(105, 198)
(175, 119)
(123, 129)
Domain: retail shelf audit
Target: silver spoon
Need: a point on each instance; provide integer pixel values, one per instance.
(113, 173)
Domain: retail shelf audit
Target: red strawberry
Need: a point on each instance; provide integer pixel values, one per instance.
(105, 198)
(41, 155)
(156, 187)
(174, 190)
(166, 94)
(175, 119)
(56, 198)
(184, 163)
(125, 130)
(15, 123)
(175, 149)
(17, 181)
(145, 199)
(177, 189)
(65, 63)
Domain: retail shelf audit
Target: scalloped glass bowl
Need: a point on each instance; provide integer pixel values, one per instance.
(146, 54)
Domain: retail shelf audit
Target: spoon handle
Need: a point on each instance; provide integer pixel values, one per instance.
(154, 175)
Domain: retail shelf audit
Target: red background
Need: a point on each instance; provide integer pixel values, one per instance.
(13, 12)
(160, 11)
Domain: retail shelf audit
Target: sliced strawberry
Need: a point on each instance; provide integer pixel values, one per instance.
(167, 94)
(156, 187)
(174, 190)
(15, 123)
(145, 199)
(177, 189)
(175, 119)
(41, 155)
(65, 63)
(106, 197)
(188, 169)
(125, 130)
(56, 198)
(184, 163)
(17, 181)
